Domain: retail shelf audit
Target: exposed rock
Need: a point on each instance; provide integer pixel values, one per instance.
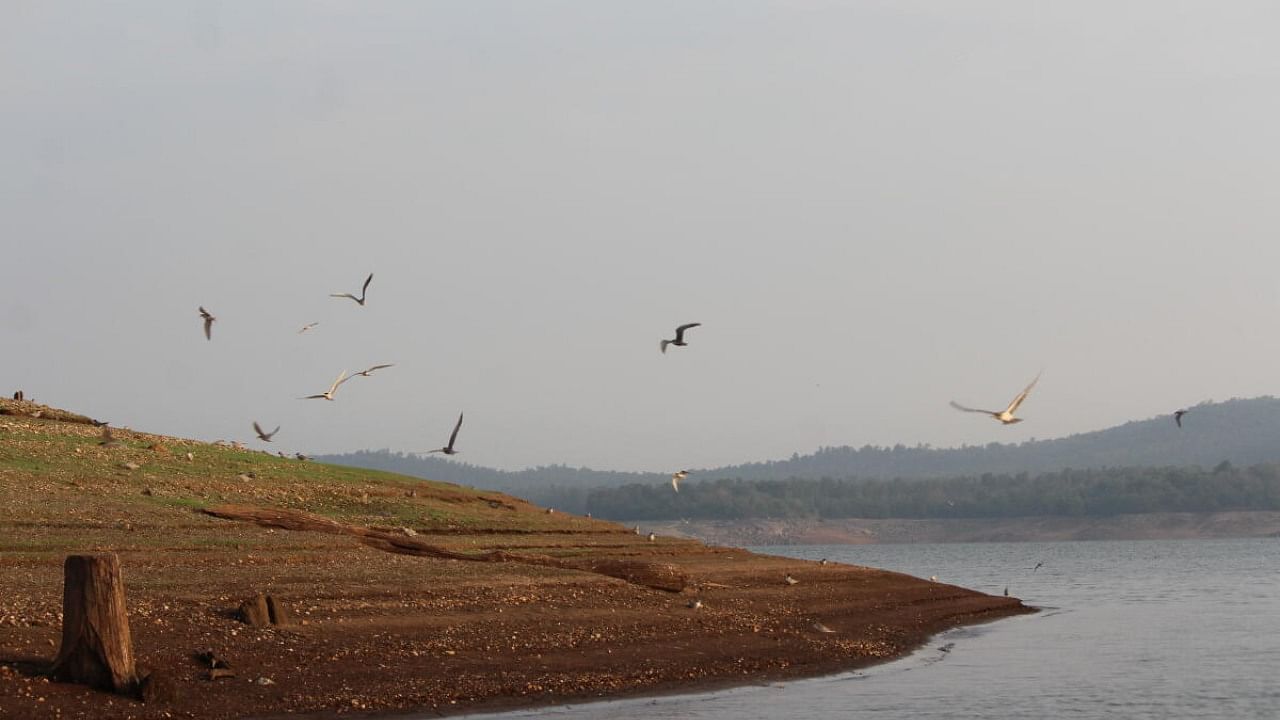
(130, 466)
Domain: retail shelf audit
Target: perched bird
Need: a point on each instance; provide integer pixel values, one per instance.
(301, 457)
(677, 477)
(99, 423)
(1177, 416)
(369, 372)
(679, 341)
(307, 327)
(328, 394)
(790, 580)
(823, 561)
(822, 628)
(363, 290)
(108, 440)
(695, 604)
(1006, 591)
(448, 449)
(1004, 416)
(264, 436)
(208, 323)
(653, 538)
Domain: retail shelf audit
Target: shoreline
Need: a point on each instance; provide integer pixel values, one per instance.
(407, 597)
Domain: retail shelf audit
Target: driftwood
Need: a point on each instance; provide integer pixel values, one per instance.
(660, 576)
(96, 647)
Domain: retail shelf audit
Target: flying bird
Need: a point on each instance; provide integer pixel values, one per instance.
(448, 449)
(1177, 416)
(368, 372)
(208, 323)
(677, 477)
(363, 290)
(822, 628)
(1038, 566)
(1004, 416)
(679, 341)
(307, 327)
(108, 440)
(264, 436)
(328, 394)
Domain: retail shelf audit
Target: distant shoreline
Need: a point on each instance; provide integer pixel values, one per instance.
(865, 531)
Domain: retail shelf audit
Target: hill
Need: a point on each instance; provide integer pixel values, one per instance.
(1240, 431)
(404, 593)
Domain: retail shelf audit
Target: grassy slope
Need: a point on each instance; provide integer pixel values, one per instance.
(58, 483)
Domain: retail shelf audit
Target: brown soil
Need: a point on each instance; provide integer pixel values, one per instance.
(475, 625)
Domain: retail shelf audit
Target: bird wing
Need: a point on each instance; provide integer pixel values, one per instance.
(958, 406)
(675, 482)
(662, 345)
(375, 367)
(208, 327)
(454, 435)
(1013, 406)
(680, 330)
(341, 379)
(365, 287)
(258, 428)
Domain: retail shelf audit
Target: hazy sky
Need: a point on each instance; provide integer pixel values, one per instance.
(873, 207)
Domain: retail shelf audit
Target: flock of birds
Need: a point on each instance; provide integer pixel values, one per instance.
(1005, 416)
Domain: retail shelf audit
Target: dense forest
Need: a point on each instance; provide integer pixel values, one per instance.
(1067, 492)
(1243, 432)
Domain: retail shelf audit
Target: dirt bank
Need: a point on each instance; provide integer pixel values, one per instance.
(379, 630)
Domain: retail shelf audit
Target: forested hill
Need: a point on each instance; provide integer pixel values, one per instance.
(1243, 432)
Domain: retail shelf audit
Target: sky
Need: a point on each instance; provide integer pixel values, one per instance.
(874, 208)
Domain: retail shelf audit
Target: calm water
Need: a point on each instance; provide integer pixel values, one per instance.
(1161, 629)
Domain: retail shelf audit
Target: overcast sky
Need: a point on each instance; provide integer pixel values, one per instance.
(873, 208)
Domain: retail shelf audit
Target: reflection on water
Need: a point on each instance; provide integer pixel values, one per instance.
(1155, 629)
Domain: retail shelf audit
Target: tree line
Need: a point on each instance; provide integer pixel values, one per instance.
(1076, 493)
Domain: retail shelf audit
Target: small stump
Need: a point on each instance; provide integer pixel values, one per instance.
(263, 610)
(97, 649)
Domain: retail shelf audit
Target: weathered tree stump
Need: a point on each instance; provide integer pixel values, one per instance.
(255, 612)
(96, 647)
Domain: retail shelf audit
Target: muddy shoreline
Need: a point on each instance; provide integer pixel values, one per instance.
(405, 596)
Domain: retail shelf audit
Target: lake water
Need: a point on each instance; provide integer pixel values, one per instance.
(1156, 629)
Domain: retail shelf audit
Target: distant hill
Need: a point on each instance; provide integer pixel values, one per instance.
(1242, 431)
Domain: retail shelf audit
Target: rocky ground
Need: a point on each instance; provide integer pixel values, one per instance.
(403, 594)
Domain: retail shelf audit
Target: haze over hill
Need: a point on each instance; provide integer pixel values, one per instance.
(1241, 431)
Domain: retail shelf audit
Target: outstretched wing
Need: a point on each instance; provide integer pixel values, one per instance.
(680, 330)
(1013, 406)
(341, 379)
(375, 367)
(454, 435)
(258, 428)
(345, 295)
(365, 287)
(208, 327)
(958, 406)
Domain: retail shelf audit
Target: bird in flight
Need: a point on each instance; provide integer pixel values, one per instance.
(822, 628)
(679, 341)
(1177, 416)
(264, 436)
(1004, 416)
(363, 290)
(108, 440)
(1038, 566)
(328, 394)
(369, 372)
(208, 323)
(448, 449)
(677, 477)
(307, 327)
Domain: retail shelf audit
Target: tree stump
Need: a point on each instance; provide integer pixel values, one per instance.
(96, 647)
